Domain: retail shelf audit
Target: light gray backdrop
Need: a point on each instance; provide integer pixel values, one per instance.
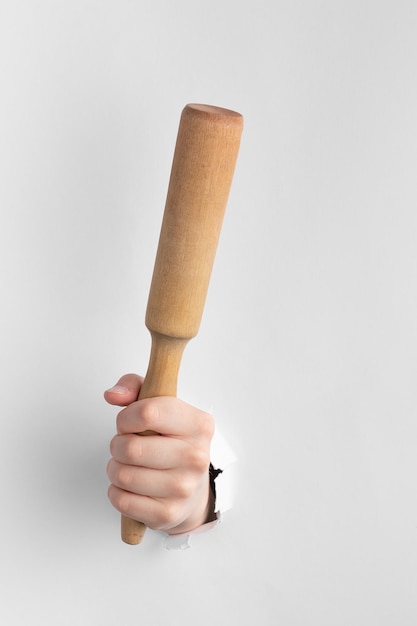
(307, 351)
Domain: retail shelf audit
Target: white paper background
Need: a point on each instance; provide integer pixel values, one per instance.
(307, 350)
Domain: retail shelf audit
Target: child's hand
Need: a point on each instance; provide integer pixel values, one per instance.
(161, 480)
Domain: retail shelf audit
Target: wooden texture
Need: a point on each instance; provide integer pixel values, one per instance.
(202, 171)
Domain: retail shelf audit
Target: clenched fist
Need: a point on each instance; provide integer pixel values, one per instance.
(162, 479)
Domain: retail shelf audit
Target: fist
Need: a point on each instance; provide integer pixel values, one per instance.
(161, 479)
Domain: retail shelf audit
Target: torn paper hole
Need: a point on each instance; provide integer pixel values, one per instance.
(178, 542)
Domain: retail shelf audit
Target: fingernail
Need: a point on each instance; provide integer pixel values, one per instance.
(121, 389)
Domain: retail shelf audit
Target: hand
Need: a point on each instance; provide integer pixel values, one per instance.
(161, 480)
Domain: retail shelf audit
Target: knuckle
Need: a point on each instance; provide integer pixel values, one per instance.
(206, 425)
(183, 486)
(134, 448)
(168, 516)
(124, 476)
(115, 446)
(119, 499)
(149, 414)
(120, 418)
(124, 448)
(183, 489)
(198, 459)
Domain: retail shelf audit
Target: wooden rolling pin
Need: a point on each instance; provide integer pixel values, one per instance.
(201, 176)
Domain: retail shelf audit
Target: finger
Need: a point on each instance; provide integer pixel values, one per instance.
(166, 416)
(155, 514)
(146, 482)
(154, 452)
(125, 391)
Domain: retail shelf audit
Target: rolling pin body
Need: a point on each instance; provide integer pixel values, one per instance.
(202, 170)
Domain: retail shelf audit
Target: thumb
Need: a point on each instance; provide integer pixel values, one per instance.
(125, 391)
